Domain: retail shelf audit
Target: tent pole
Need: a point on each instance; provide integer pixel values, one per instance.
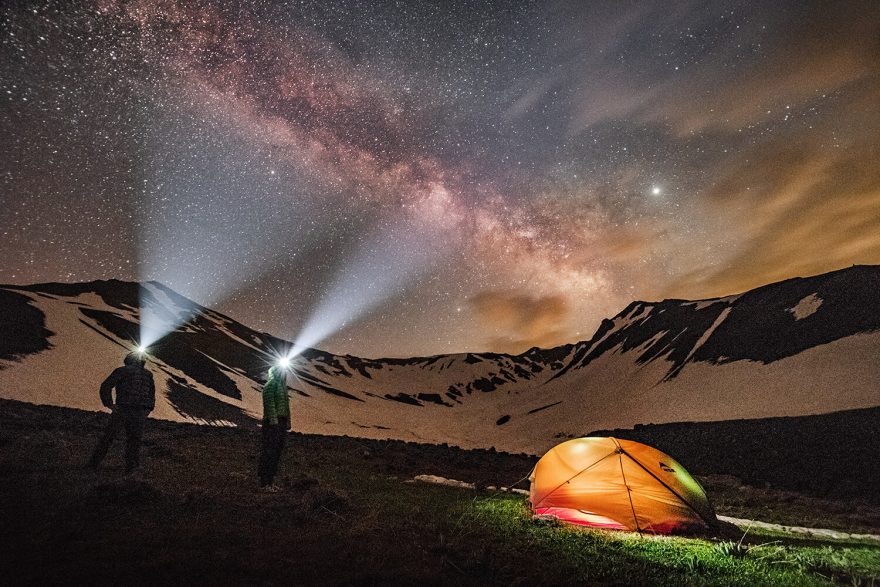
(620, 452)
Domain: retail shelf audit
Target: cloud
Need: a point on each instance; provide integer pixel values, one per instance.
(792, 208)
(520, 321)
(770, 60)
(810, 61)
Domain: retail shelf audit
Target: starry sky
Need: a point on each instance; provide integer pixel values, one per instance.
(407, 178)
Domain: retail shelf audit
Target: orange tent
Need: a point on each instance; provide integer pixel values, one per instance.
(619, 484)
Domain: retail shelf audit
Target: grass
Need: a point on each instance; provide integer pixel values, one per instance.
(574, 556)
(347, 516)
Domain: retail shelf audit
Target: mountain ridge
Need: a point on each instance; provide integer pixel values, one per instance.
(801, 346)
(57, 285)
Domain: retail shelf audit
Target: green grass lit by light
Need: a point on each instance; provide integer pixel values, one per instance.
(570, 554)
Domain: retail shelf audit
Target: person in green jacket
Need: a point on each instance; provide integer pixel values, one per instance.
(276, 423)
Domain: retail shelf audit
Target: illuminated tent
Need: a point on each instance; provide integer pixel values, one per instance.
(618, 484)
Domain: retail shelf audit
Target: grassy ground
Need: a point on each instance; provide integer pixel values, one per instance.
(346, 517)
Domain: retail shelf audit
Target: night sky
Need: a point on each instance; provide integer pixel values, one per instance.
(438, 177)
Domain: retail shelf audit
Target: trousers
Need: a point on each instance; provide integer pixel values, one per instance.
(132, 420)
(273, 438)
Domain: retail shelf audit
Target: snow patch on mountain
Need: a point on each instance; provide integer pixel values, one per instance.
(703, 304)
(806, 307)
(705, 336)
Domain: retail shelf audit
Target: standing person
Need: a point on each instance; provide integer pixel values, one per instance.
(276, 423)
(135, 399)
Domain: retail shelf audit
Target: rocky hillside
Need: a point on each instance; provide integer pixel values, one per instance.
(801, 346)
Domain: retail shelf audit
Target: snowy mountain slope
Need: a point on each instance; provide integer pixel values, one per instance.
(766, 324)
(797, 347)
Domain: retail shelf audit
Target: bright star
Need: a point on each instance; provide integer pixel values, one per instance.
(655, 190)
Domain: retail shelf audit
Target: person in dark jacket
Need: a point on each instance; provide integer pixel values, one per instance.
(276, 423)
(135, 399)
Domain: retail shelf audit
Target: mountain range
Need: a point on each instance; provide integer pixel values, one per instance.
(797, 347)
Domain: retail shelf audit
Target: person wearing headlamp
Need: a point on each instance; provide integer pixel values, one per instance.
(276, 423)
(135, 399)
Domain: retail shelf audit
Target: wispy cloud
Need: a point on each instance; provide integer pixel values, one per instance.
(519, 321)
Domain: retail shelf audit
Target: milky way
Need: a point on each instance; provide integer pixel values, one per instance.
(472, 176)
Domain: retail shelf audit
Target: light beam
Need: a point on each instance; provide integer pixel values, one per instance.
(382, 269)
